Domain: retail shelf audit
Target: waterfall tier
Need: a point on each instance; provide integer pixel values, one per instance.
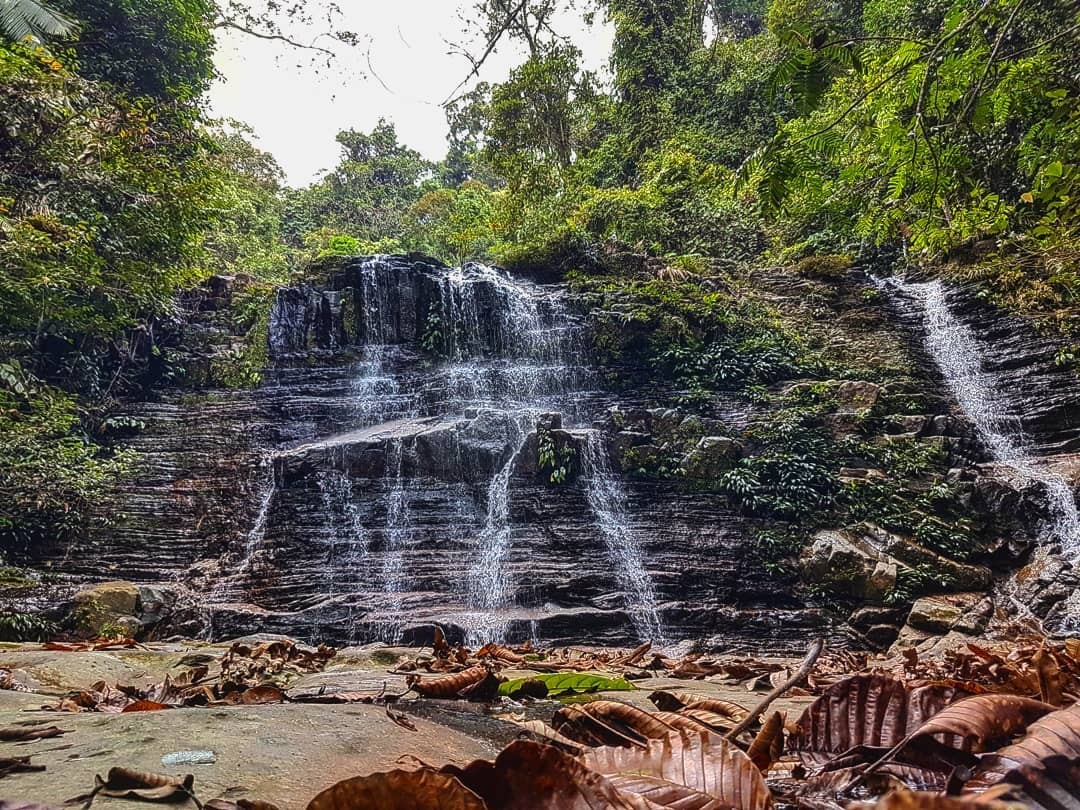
(386, 475)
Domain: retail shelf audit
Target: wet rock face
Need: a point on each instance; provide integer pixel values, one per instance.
(390, 473)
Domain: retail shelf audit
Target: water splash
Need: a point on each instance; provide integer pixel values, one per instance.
(397, 532)
(608, 503)
(956, 352)
(490, 587)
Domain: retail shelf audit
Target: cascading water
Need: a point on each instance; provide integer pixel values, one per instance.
(490, 588)
(956, 351)
(608, 502)
(397, 528)
(456, 367)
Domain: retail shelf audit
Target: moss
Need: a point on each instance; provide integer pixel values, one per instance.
(823, 267)
(250, 313)
(15, 578)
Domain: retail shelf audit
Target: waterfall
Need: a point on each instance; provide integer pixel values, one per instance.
(397, 531)
(956, 351)
(608, 502)
(235, 583)
(455, 368)
(489, 583)
(344, 520)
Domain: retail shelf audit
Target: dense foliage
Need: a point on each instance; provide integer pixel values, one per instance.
(816, 134)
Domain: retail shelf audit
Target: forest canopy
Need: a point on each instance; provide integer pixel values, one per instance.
(886, 134)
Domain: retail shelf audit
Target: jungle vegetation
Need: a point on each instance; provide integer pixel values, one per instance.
(831, 133)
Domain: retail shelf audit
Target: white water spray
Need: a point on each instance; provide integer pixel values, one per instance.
(956, 352)
(608, 502)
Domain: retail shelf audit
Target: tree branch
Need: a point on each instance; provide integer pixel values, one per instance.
(272, 36)
(795, 680)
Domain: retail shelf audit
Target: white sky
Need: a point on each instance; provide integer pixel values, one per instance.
(296, 111)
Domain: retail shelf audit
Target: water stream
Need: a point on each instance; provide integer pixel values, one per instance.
(607, 499)
(956, 351)
(501, 352)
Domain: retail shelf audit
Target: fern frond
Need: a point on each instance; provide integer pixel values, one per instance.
(22, 19)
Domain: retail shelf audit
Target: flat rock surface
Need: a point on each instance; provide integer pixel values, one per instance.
(284, 753)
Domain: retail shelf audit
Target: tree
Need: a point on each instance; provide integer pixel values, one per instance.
(23, 19)
(367, 194)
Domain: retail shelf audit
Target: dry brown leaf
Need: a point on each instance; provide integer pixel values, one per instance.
(768, 745)
(257, 695)
(902, 798)
(144, 706)
(23, 734)
(1056, 734)
(17, 765)
(608, 722)
(661, 793)
(477, 682)
(974, 723)
(872, 710)
(125, 783)
(239, 804)
(531, 776)
(701, 761)
(399, 790)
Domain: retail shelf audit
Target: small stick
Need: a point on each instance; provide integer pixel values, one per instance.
(795, 680)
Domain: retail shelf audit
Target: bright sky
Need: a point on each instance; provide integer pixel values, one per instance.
(296, 112)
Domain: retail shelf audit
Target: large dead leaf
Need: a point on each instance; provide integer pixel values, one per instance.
(1053, 784)
(768, 745)
(701, 761)
(977, 722)
(864, 710)
(531, 776)
(607, 722)
(1056, 734)
(24, 734)
(673, 701)
(399, 790)
(660, 793)
(475, 683)
(124, 783)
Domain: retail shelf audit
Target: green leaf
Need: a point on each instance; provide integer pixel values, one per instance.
(569, 683)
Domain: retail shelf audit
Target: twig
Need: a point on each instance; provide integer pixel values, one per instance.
(795, 680)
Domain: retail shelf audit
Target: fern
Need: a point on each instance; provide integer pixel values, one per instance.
(30, 19)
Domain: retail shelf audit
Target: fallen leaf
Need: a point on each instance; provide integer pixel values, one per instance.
(1056, 734)
(23, 734)
(399, 790)
(144, 706)
(606, 722)
(477, 682)
(531, 776)
(701, 761)
(401, 719)
(768, 745)
(257, 695)
(17, 765)
(564, 683)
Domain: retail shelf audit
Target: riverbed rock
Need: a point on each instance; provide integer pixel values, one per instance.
(710, 457)
(107, 603)
(845, 562)
(964, 612)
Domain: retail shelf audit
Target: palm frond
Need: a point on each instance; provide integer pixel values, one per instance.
(22, 19)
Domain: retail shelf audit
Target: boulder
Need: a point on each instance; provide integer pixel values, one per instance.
(107, 603)
(913, 555)
(963, 612)
(710, 457)
(846, 563)
(857, 395)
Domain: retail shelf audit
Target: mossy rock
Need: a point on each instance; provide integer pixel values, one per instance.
(823, 267)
